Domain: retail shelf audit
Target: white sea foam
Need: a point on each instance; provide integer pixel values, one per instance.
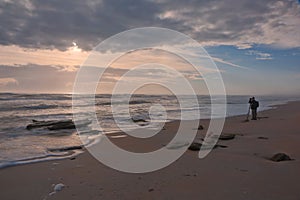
(47, 157)
(58, 187)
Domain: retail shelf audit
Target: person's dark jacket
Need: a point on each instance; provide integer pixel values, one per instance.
(254, 104)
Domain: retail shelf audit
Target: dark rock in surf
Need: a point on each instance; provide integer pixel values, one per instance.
(139, 120)
(40, 124)
(56, 124)
(62, 149)
(62, 126)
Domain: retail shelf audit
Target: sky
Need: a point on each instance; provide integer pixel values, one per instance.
(255, 44)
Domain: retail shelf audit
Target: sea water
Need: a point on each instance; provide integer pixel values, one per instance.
(19, 145)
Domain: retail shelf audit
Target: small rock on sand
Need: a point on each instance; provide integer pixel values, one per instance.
(280, 157)
(196, 146)
(262, 138)
(227, 136)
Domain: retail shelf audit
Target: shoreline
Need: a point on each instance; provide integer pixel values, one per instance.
(244, 164)
(115, 135)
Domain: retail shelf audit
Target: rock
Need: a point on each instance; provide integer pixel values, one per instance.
(221, 146)
(262, 138)
(39, 124)
(227, 136)
(280, 157)
(151, 190)
(139, 120)
(62, 126)
(200, 127)
(68, 125)
(196, 146)
(56, 124)
(62, 149)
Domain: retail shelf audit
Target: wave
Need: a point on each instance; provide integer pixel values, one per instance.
(18, 96)
(47, 157)
(41, 106)
(122, 102)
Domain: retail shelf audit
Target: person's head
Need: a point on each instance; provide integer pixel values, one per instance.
(253, 98)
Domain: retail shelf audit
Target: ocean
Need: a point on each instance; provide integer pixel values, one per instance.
(19, 145)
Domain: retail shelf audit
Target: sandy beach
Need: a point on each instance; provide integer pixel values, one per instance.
(240, 171)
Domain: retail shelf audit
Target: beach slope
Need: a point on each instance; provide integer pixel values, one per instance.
(242, 170)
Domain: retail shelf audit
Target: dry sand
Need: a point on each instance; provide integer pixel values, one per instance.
(240, 171)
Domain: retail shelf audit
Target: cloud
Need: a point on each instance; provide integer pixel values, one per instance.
(56, 24)
(53, 78)
(35, 78)
(8, 81)
(260, 55)
(19, 56)
(241, 23)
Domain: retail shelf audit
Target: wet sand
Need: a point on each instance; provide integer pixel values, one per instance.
(240, 171)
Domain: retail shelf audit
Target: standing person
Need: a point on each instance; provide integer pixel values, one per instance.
(254, 105)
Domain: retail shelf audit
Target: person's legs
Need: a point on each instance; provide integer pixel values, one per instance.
(253, 111)
(254, 114)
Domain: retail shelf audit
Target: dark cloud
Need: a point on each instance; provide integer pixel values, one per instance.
(56, 24)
